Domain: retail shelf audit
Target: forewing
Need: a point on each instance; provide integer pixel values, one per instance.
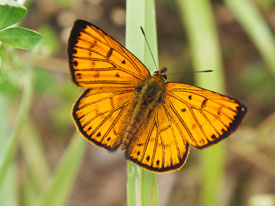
(160, 146)
(100, 115)
(97, 60)
(207, 117)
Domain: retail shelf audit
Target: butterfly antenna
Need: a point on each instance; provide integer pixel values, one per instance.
(209, 70)
(148, 47)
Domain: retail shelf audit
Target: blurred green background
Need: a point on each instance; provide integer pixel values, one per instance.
(49, 164)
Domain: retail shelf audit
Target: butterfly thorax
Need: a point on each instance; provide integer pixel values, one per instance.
(149, 94)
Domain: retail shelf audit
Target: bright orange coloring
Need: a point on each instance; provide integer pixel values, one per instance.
(125, 106)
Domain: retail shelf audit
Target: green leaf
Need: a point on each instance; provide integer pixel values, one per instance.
(19, 37)
(11, 12)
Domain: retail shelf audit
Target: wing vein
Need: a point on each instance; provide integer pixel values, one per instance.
(110, 62)
(108, 45)
(203, 96)
(170, 126)
(156, 141)
(207, 119)
(146, 142)
(181, 120)
(197, 121)
(117, 118)
(97, 39)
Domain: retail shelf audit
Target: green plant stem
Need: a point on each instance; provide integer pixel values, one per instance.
(61, 183)
(34, 155)
(13, 139)
(199, 22)
(257, 29)
(9, 188)
(142, 185)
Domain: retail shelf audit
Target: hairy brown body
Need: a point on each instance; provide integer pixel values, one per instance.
(150, 94)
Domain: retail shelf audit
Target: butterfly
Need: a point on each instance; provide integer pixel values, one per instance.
(126, 107)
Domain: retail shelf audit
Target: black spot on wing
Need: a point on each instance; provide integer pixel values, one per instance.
(240, 114)
(97, 74)
(161, 169)
(78, 28)
(203, 104)
(110, 52)
(75, 63)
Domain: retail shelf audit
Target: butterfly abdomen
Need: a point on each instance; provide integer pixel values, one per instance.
(149, 95)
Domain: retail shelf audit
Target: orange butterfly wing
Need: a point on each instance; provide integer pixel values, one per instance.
(97, 60)
(207, 117)
(111, 73)
(160, 146)
(187, 115)
(100, 115)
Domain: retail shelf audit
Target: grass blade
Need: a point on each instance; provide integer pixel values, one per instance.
(61, 183)
(206, 55)
(257, 29)
(34, 155)
(8, 189)
(7, 156)
(142, 185)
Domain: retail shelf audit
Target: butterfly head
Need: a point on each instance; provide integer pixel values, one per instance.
(161, 73)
